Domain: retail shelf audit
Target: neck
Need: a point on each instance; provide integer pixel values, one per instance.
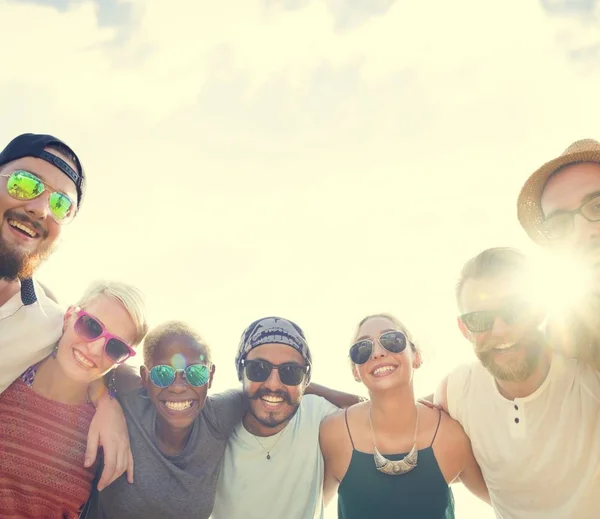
(512, 390)
(171, 441)
(253, 426)
(8, 289)
(394, 410)
(52, 383)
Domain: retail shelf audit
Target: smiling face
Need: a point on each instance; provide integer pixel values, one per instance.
(178, 405)
(27, 230)
(85, 361)
(385, 370)
(510, 351)
(272, 404)
(567, 190)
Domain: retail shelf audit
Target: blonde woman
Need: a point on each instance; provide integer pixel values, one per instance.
(389, 456)
(46, 413)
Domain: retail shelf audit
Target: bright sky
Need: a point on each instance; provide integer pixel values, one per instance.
(315, 159)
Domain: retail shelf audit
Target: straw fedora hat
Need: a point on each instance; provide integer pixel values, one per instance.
(529, 209)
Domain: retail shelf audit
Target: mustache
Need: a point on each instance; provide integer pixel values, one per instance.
(11, 214)
(491, 345)
(264, 392)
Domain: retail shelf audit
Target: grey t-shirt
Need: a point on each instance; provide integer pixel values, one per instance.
(165, 486)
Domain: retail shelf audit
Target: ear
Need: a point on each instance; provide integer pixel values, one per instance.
(145, 376)
(464, 330)
(355, 373)
(213, 368)
(417, 359)
(68, 314)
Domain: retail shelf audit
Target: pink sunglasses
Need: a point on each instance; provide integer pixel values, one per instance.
(89, 328)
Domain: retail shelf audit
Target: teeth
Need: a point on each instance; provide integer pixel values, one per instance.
(273, 399)
(83, 360)
(179, 406)
(384, 369)
(22, 227)
(504, 346)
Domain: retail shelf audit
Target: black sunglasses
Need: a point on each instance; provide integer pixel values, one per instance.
(289, 374)
(483, 321)
(393, 341)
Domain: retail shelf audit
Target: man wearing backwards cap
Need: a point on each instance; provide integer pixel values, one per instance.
(273, 465)
(42, 184)
(559, 208)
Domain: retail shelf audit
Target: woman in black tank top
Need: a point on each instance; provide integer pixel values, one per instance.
(390, 457)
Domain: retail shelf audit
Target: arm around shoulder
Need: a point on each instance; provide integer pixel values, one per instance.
(469, 472)
(332, 448)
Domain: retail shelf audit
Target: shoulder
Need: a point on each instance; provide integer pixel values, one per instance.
(333, 423)
(229, 400)
(450, 439)
(317, 407)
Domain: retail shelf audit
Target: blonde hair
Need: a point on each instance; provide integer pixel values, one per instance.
(169, 331)
(128, 295)
(496, 261)
(397, 323)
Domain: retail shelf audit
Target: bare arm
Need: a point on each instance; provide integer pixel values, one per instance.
(337, 398)
(330, 447)
(471, 475)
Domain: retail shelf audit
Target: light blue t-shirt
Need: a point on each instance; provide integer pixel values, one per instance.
(290, 484)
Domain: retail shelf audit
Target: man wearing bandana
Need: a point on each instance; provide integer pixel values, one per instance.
(273, 465)
(42, 184)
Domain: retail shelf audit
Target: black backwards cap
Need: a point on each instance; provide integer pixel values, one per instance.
(32, 145)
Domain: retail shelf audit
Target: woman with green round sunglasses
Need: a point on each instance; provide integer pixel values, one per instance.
(178, 432)
(24, 185)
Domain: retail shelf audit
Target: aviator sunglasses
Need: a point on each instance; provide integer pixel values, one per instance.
(24, 185)
(393, 341)
(483, 321)
(195, 375)
(289, 374)
(89, 328)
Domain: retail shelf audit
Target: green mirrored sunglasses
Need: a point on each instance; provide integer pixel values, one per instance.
(24, 185)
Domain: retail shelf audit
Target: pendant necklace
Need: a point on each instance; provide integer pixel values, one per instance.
(395, 468)
(272, 446)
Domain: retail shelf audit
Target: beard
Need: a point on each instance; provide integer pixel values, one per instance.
(577, 330)
(518, 370)
(16, 264)
(274, 419)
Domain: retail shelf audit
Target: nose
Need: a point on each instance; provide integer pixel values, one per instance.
(38, 207)
(96, 348)
(500, 329)
(273, 383)
(378, 350)
(179, 385)
(585, 233)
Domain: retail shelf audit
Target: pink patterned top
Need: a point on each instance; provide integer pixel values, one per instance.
(42, 450)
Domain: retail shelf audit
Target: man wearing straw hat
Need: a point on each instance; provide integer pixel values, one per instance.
(559, 208)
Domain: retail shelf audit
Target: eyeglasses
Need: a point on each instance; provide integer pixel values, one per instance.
(482, 321)
(290, 374)
(560, 225)
(195, 375)
(89, 328)
(393, 341)
(24, 185)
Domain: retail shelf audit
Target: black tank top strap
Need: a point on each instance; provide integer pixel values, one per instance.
(437, 428)
(348, 427)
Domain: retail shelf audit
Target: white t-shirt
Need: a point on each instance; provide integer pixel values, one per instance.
(290, 484)
(539, 455)
(27, 333)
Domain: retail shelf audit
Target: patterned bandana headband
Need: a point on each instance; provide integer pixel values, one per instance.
(271, 330)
